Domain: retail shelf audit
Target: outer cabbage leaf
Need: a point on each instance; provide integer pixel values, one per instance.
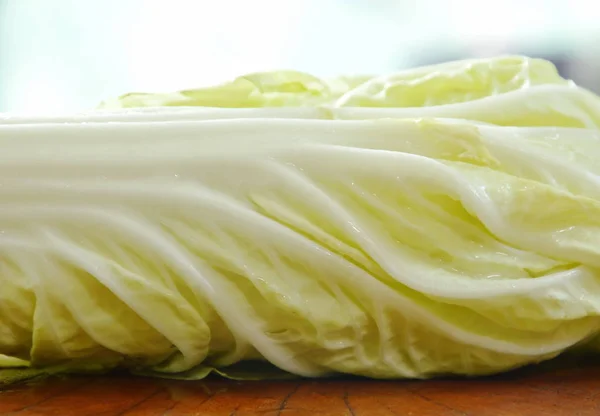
(266, 89)
(406, 248)
(453, 82)
(510, 91)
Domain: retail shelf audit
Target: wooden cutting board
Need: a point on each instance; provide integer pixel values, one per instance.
(566, 391)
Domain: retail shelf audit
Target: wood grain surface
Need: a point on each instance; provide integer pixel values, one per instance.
(563, 391)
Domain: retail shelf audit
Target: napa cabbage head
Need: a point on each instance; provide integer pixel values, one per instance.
(443, 220)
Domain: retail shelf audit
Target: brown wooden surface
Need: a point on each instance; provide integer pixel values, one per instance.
(567, 391)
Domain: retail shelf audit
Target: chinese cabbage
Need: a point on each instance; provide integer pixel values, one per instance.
(459, 235)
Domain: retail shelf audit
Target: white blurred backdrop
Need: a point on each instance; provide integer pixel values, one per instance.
(64, 55)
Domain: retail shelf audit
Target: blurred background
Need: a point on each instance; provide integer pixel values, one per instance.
(64, 55)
